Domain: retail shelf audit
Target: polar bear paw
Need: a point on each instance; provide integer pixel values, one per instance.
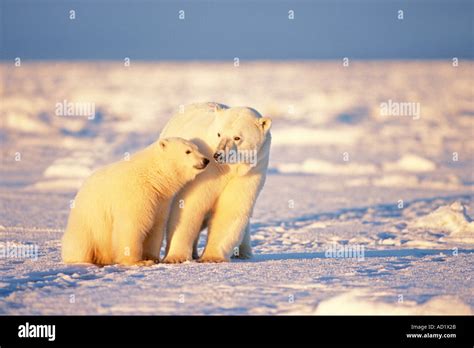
(138, 263)
(149, 257)
(175, 259)
(212, 259)
(146, 263)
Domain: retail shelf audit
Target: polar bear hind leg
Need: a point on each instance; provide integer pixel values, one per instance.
(77, 245)
(245, 249)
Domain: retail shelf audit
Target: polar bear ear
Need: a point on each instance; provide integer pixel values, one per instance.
(265, 123)
(162, 143)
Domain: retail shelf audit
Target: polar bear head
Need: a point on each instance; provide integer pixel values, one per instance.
(181, 158)
(240, 137)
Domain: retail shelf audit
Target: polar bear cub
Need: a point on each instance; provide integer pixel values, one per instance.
(121, 211)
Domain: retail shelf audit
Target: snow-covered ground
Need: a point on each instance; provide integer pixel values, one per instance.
(363, 212)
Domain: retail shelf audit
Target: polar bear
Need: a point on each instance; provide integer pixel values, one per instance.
(120, 212)
(223, 197)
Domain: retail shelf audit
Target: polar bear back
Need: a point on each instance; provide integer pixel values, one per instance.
(190, 122)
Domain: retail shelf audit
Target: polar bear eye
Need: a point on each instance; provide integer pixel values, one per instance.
(188, 152)
(219, 135)
(236, 138)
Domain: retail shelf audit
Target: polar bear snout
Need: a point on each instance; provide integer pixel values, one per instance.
(225, 147)
(203, 164)
(221, 156)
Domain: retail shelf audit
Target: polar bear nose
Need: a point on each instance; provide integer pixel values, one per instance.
(205, 162)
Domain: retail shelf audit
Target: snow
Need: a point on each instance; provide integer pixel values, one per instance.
(324, 167)
(452, 220)
(411, 163)
(342, 175)
(357, 303)
(304, 136)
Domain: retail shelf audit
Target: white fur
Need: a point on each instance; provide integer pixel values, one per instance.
(120, 212)
(223, 197)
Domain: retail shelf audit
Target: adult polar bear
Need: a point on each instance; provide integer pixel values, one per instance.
(222, 198)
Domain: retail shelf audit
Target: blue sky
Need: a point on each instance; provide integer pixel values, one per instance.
(221, 30)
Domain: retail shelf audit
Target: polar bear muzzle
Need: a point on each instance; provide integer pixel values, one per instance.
(203, 164)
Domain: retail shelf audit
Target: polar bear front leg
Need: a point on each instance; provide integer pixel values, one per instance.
(230, 219)
(184, 226)
(128, 243)
(154, 240)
